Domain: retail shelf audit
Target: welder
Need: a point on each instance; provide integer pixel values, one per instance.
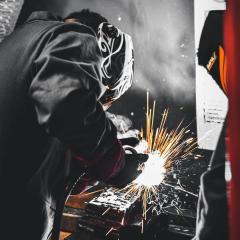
(57, 79)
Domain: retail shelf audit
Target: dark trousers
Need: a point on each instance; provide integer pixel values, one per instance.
(212, 217)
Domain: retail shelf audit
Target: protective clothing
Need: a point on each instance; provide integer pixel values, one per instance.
(52, 125)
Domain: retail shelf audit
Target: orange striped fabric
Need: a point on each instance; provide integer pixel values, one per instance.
(223, 68)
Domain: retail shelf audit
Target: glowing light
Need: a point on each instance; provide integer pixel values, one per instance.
(142, 147)
(153, 171)
(123, 219)
(111, 229)
(142, 228)
(163, 147)
(105, 211)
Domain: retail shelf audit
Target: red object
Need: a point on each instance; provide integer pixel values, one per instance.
(232, 43)
(105, 164)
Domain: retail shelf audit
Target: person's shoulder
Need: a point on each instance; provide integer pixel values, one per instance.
(73, 27)
(40, 24)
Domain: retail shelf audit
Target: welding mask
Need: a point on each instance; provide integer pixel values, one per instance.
(118, 62)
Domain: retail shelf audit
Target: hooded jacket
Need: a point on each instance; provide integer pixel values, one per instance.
(52, 126)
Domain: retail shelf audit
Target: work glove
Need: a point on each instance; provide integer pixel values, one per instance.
(130, 170)
(127, 174)
(133, 160)
(130, 141)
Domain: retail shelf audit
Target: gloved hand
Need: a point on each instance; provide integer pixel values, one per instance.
(130, 171)
(130, 141)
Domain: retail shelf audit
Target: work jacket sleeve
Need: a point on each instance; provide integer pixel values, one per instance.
(65, 89)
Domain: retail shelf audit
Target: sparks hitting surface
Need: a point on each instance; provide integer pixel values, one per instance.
(163, 146)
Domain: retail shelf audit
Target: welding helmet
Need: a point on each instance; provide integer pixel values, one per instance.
(117, 61)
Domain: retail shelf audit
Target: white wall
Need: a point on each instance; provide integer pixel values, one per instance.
(211, 102)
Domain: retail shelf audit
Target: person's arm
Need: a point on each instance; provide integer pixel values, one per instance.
(65, 90)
